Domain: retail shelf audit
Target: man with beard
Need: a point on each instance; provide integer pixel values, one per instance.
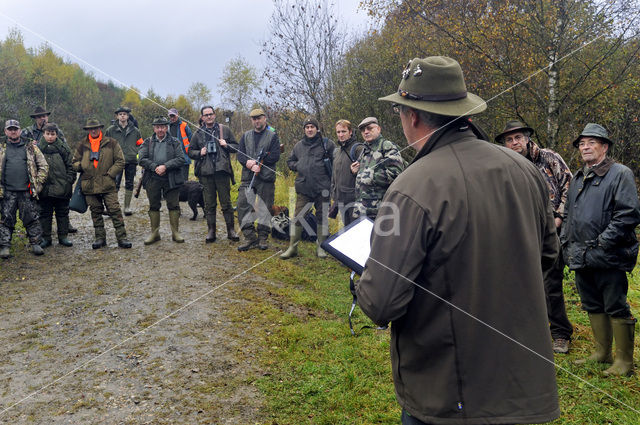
(517, 137)
(23, 171)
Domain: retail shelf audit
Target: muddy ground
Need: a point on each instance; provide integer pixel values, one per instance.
(85, 337)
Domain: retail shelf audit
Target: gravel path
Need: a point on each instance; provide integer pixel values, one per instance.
(83, 324)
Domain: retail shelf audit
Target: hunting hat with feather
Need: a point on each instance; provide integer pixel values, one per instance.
(435, 84)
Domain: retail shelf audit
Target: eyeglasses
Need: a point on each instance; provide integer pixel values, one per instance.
(208, 115)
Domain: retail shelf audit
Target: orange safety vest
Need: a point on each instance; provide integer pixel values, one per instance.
(183, 133)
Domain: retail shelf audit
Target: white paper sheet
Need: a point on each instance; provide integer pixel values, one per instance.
(355, 242)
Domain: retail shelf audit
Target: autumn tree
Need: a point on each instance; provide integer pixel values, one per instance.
(305, 43)
(199, 95)
(547, 61)
(238, 85)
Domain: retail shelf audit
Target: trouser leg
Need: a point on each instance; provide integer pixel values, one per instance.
(30, 217)
(113, 208)
(119, 179)
(223, 187)
(46, 216)
(154, 194)
(61, 207)
(129, 175)
(96, 207)
(556, 311)
(246, 213)
(209, 194)
(9, 208)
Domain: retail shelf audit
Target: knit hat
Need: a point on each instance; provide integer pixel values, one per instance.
(311, 120)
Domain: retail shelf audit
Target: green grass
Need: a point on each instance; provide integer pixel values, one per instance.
(315, 372)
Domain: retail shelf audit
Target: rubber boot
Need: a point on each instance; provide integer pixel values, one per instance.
(603, 334)
(623, 333)
(154, 218)
(293, 243)
(127, 202)
(231, 231)
(319, 251)
(174, 220)
(211, 225)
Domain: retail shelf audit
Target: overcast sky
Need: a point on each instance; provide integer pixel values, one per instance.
(164, 45)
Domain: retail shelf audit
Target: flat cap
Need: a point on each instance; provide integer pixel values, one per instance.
(256, 113)
(365, 122)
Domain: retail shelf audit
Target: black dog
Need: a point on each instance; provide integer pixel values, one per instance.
(191, 192)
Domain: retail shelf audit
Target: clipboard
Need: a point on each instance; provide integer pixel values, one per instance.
(352, 244)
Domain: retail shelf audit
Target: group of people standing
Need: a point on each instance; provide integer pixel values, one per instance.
(484, 234)
(474, 272)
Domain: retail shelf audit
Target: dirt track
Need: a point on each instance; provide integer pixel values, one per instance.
(63, 315)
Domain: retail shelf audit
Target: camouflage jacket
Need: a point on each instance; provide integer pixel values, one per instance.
(37, 167)
(556, 174)
(380, 164)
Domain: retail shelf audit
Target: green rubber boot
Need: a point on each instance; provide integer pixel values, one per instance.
(154, 217)
(127, 202)
(296, 236)
(319, 251)
(174, 220)
(623, 333)
(603, 334)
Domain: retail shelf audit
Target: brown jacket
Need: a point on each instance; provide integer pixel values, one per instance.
(475, 231)
(110, 163)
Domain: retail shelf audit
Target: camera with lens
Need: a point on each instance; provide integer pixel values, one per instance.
(212, 149)
(94, 156)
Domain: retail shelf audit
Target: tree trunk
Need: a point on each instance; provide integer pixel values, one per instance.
(553, 109)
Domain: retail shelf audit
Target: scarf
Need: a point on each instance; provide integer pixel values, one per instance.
(95, 146)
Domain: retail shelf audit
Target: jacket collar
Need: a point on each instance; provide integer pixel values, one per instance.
(604, 166)
(533, 151)
(450, 133)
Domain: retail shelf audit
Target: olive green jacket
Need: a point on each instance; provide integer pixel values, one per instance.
(61, 173)
(103, 178)
(462, 239)
(129, 139)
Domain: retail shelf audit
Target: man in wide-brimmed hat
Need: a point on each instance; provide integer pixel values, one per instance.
(162, 158)
(455, 264)
(130, 140)
(99, 159)
(599, 243)
(40, 118)
(517, 137)
(36, 132)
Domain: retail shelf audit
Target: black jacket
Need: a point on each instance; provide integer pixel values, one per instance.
(208, 165)
(601, 214)
(175, 160)
(306, 159)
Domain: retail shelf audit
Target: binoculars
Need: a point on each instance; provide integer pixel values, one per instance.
(212, 149)
(94, 156)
